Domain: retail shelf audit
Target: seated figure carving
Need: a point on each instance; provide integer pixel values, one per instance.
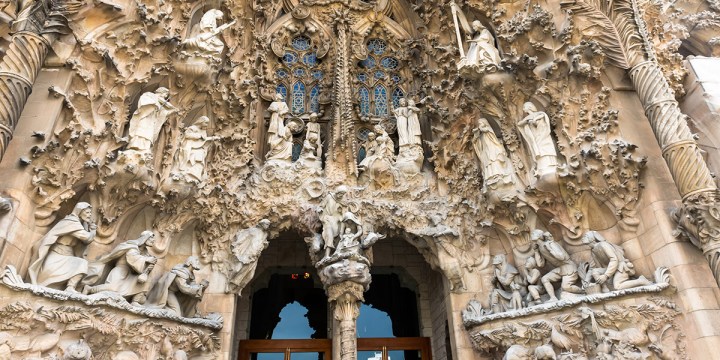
(59, 262)
(546, 249)
(508, 286)
(177, 290)
(124, 270)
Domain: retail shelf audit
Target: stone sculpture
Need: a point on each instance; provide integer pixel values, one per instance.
(497, 168)
(77, 351)
(532, 277)
(482, 56)
(507, 285)
(311, 154)
(177, 290)
(546, 249)
(199, 58)
(124, 270)
(192, 153)
(278, 110)
(59, 262)
(377, 168)
(408, 125)
(281, 147)
(331, 212)
(535, 129)
(246, 248)
(153, 110)
(608, 262)
(448, 255)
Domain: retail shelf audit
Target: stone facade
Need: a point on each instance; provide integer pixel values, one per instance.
(539, 176)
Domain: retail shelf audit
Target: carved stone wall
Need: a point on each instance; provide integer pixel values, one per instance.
(448, 131)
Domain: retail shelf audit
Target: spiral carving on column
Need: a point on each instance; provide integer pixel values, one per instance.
(14, 92)
(689, 174)
(25, 55)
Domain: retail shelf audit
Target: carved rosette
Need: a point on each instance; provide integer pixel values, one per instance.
(346, 298)
(18, 70)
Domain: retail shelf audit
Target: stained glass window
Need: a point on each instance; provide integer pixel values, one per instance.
(381, 101)
(301, 43)
(298, 98)
(315, 99)
(379, 80)
(361, 154)
(397, 94)
(364, 101)
(299, 76)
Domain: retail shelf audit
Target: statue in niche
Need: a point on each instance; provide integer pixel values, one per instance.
(246, 248)
(204, 39)
(408, 124)
(378, 162)
(496, 166)
(447, 253)
(546, 249)
(482, 56)
(508, 284)
(331, 213)
(152, 112)
(193, 151)
(313, 127)
(124, 270)
(278, 110)
(608, 262)
(59, 261)
(281, 146)
(535, 129)
(177, 290)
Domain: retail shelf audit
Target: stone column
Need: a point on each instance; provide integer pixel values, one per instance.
(21, 65)
(345, 298)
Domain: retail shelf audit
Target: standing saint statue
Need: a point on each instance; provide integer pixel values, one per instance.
(408, 124)
(152, 111)
(278, 109)
(495, 163)
(246, 248)
(535, 129)
(331, 216)
(482, 54)
(60, 262)
(193, 150)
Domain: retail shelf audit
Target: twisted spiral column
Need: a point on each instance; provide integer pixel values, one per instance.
(18, 70)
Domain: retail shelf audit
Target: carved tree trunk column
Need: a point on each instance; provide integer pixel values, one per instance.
(18, 71)
(346, 297)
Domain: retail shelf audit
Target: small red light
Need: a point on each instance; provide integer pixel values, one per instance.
(294, 276)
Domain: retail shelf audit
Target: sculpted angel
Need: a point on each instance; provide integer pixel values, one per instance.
(246, 248)
(152, 111)
(205, 37)
(408, 124)
(481, 53)
(193, 150)
(535, 129)
(491, 152)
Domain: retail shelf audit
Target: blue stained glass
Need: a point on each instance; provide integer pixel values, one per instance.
(317, 74)
(397, 94)
(361, 155)
(396, 78)
(290, 58)
(282, 89)
(296, 150)
(301, 43)
(377, 46)
(379, 75)
(368, 63)
(299, 72)
(281, 73)
(381, 101)
(298, 98)
(315, 99)
(364, 101)
(362, 77)
(310, 59)
(389, 63)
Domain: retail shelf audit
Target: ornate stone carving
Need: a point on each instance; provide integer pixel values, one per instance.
(482, 55)
(535, 129)
(153, 110)
(192, 153)
(177, 290)
(199, 58)
(246, 248)
(58, 263)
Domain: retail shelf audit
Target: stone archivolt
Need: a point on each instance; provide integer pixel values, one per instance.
(169, 116)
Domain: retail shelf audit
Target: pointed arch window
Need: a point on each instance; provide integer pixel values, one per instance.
(298, 76)
(379, 80)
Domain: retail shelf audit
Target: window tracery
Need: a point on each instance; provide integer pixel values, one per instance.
(298, 76)
(379, 80)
